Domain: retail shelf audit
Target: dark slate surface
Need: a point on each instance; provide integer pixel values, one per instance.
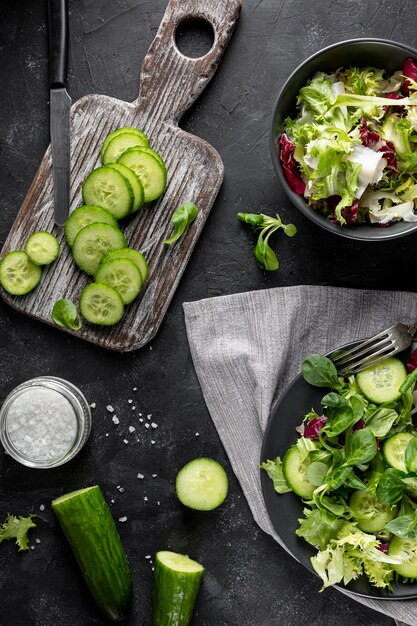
(250, 581)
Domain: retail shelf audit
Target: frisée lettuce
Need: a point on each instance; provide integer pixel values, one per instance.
(351, 151)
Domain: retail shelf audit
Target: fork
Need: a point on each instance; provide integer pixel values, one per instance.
(377, 348)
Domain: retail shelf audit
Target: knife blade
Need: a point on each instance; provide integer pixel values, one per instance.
(60, 104)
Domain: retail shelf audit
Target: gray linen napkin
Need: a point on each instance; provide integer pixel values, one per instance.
(247, 347)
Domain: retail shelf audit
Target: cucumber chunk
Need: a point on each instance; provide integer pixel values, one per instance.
(101, 305)
(393, 450)
(295, 473)
(121, 143)
(91, 532)
(83, 216)
(397, 546)
(42, 248)
(132, 255)
(109, 189)
(381, 382)
(202, 484)
(123, 275)
(137, 187)
(176, 583)
(18, 275)
(93, 242)
(372, 515)
(119, 131)
(150, 171)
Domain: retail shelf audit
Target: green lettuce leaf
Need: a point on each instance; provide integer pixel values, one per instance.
(317, 530)
(275, 473)
(17, 528)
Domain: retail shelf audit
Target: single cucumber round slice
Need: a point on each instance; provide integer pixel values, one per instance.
(83, 216)
(120, 131)
(121, 143)
(295, 473)
(372, 515)
(381, 382)
(109, 189)
(93, 242)
(18, 275)
(176, 584)
(150, 171)
(202, 484)
(42, 248)
(393, 450)
(132, 255)
(123, 275)
(137, 187)
(397, 546)
(153, 153)
(101, 304)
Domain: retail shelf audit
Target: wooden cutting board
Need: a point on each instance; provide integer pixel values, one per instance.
(169, 84)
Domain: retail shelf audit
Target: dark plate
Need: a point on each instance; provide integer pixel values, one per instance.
(285, 509)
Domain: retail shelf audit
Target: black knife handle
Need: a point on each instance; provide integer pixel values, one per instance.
(58, 42)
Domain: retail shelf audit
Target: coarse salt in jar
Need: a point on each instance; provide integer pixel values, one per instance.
(44, 422)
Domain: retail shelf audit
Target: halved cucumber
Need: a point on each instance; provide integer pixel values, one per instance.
(397, 546)
(101, 304)
(121, 143)
(42, 248)
(151, 172)
(83, 216)
(93, 242)
(88, 525)
(132, 255)
(109, 189)
(137, 187)
(372, 515)
(295, 473)
(202, 484)
(176, 583)
(123, 275)
(381, 382)
(120, 131)
(393, 450)
(18, 275)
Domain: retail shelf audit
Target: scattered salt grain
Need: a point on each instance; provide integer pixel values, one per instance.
(130, 401)
(112, 501)
(134, 389)
(125, 441)
(150, 347)
(158, 503)
(133, 408)
(149, 416)
(152, 442)
(140, 476)
(147, 425)
(154, 425)
(148, 556)
(32, 547)
(154, 475)
(115, 419)
(42, 507)
(93, 405)
(123, 519)
(110, 408)
(197, 434)
(145, 498)
(107, 434)
(132, 429)
(153, 569)
(37, 540)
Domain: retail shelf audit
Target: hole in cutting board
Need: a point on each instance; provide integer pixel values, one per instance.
(194, 37)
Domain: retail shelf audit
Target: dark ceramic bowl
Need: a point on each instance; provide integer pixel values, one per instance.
(354, 52)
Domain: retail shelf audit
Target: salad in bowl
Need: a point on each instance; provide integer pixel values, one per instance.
(351, 152)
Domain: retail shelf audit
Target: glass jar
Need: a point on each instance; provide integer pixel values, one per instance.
(44, 422)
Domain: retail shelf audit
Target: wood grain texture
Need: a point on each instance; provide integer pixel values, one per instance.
(169, 84)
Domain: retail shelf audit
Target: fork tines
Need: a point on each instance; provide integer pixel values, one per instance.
(366, 353)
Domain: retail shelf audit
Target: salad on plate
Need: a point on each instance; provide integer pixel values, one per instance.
(351, 152)
(354, 465)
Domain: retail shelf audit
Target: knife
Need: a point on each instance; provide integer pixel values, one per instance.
(60, 104)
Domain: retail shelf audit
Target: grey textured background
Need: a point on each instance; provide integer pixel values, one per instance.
(250, 581)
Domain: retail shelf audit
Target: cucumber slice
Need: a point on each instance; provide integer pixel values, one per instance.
(176, 583)
(18, 275)
(83, 216)
(91, 532)
(123, 275)
(393, 450)
(150, 171)
(101, 304)
(137, 187)
(153, 153)
(295, 473)
(381, 382)
(372, 515)
(121, 143)
(42, 248)
(132, 255)
(397, 546)
(120, 131)
(109, 189)
(93, 242)
(202, 484)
